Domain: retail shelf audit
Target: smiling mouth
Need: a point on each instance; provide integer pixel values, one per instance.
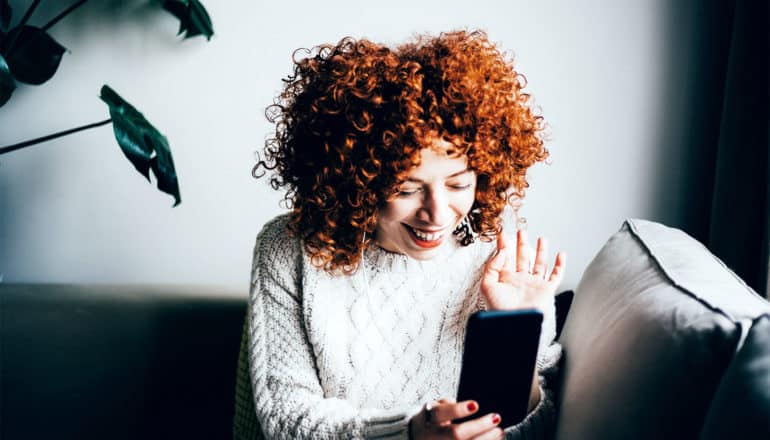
(426, 240)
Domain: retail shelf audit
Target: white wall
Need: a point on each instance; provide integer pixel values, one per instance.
(74, 210)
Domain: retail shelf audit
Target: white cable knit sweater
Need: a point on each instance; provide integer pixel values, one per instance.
(357, 356)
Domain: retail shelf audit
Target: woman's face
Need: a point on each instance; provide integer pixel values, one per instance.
(436, 196)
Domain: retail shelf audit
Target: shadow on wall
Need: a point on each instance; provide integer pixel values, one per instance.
(139, 20)
(122, 16)
(694, 60)
(13, 204)
(103, 13)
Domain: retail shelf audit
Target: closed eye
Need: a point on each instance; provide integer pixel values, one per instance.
(408, 192)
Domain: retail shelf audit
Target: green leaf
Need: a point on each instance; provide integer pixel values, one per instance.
(200, 22)
(5, 14)
(193, 17)
(178, 9)
(139, 140)
(34, 57)
(7, 83)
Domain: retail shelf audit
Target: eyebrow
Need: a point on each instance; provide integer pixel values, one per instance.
(467, 170)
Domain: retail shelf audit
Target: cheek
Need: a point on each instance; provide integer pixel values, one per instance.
(395, 211)
(465, 203)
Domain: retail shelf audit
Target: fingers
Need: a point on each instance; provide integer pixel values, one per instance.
(437, 422)
(522, 253)
(498, 261)
(539, 269)
(559, 266)
(493, 434)
(504, 250)
(480, 426)
(507, 268)
(502, 241)
(501, 265)
(444, 411)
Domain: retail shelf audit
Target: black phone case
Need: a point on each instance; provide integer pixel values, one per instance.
(499, 362)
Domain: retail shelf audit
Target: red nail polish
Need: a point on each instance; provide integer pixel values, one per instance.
(496, 419)
(472, 406)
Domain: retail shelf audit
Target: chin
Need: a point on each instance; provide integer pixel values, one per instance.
(424, 255)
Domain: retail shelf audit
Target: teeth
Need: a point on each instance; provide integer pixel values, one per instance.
(427, 236)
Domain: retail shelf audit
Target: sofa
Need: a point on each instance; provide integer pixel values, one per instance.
(118, 362)
(661, 340)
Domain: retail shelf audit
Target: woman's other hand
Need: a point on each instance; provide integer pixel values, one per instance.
(511, 282)
(435, 422)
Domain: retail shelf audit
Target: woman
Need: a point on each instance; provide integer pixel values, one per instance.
(398, 166)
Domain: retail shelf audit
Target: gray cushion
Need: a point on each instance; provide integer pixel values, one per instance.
(741, 406)
(655, 321)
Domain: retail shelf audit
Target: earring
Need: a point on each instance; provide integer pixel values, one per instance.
(465, 232)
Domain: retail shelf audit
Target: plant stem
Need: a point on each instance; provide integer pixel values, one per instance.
(21, 24)
(63, 14)
(39, 140)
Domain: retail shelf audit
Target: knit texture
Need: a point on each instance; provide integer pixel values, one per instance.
(357, 356)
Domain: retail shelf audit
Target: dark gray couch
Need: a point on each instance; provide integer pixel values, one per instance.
(118, 362)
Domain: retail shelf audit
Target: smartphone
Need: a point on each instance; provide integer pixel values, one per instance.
(499, 362)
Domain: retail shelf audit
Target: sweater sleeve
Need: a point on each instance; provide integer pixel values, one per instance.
(288, 396)
(541, 421)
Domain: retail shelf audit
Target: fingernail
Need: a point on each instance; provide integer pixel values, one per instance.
(495, 419)
(472, 406)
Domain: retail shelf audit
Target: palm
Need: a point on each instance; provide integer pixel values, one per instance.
(509, 284)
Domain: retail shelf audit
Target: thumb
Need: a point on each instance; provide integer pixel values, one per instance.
(494, 267)
(497, 263)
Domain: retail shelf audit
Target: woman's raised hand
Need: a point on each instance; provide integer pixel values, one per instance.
(435, 422)
(512, 281)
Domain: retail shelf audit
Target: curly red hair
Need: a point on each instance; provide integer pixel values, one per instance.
(353, 117)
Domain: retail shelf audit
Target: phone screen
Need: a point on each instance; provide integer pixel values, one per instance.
(499, 362)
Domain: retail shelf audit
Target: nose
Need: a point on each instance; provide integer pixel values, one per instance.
(435, 208)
